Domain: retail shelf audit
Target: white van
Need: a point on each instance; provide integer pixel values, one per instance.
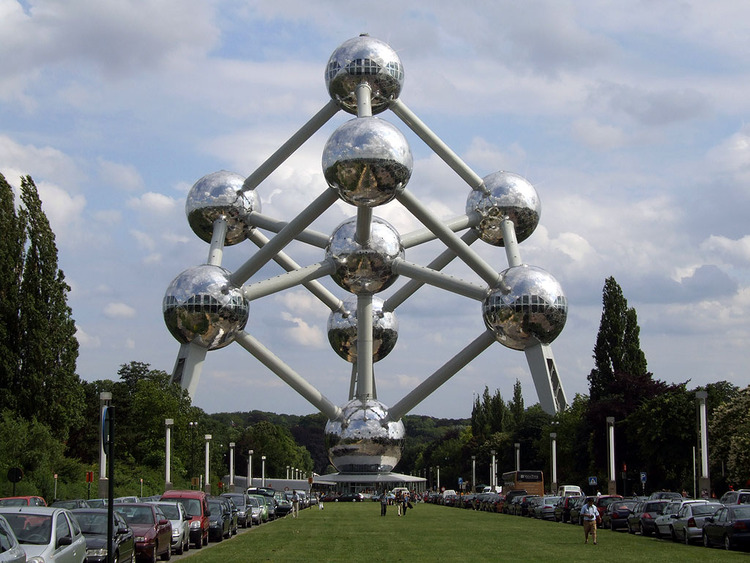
(569, 491)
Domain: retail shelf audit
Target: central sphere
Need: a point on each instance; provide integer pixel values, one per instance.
(364, 269)
(367, 60)
(202, 307)
(508, 195)
(368, 161)
(363, 440)
(342, 330)
(528, 308)
(220, 196)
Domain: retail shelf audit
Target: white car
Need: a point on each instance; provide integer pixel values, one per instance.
(180, 520)
(47, 534)
(663, 522)
(10, 549)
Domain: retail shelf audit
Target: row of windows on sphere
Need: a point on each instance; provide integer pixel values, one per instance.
(208, 304)
(361, 67)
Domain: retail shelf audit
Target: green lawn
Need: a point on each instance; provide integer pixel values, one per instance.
(356, 532)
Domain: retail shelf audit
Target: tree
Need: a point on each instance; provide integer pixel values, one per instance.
(39, 349)
(729, 438)
(11, 267)
(618, 347)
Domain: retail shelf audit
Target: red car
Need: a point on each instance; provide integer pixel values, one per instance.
(23, 501)
(152, 529)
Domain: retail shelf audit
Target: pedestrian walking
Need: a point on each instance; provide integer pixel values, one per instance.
(590, 515)
(295, 504)
(383, 503)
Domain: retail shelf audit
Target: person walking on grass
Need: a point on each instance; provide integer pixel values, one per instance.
(590, 514)
(383, 503)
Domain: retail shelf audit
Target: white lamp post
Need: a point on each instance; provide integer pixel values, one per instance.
(263, 470)
(207, 482)
(250, 469)
(168, 470)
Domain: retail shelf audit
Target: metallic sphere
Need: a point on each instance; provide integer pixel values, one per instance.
(368, 161)
(363, 440)
(342, 330)
(364, 269)
(202, 307)
(220, 195)
(510, 195)
(369, 60)
(528, 308)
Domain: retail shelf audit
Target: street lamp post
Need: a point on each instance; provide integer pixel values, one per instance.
(105, 398)
(193, 449)
(518, 456)
(553, 437)
(438, 478)
(168, 470)
(473, 473)
(231, 466)
(263, 470)
(612, 485)
(207, 483)
(493, 474)
(704, 482)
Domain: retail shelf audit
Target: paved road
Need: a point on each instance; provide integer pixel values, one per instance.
(193, 551)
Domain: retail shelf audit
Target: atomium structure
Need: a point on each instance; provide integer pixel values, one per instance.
(367, 163)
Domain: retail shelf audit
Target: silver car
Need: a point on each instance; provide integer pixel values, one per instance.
(687, 526)
(180, 520)
(51, 534)
(10, 550)
(663, 522)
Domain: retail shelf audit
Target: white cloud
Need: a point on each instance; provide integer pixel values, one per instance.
(86, 340)
(122, 176)
(731, 251)
(304, 334)
(154, 204)
(119, 311)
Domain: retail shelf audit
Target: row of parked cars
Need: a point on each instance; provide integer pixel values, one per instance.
(710, 522)
(76, 531)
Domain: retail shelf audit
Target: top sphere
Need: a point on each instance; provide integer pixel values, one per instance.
(369, 60)
(219, 195)
(510, 195)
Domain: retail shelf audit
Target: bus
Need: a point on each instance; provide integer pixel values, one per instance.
(530, 481)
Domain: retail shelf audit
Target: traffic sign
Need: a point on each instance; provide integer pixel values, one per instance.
(593, 481)
(643, 476)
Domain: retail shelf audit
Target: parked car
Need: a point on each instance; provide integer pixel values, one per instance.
(180, 521)
(532, 505)
(256, 508)
(283, 504)
(687, 524)
(510, 497)
(121, 500)
(196, 505)
(729, 526)
(71, 504)
(562, 508)
(350, 497)
(244, 517)
(736, 497)
(23, 501)
(616, 514)
(47, 534)
(522, 508)
(663, 522)
(98, 502)
(10, 550)
(93, 523)
(233, 515)
(152, 529)
(546, 509)
(271, 506)
(601, 502)
(220, 526)
(643, 516)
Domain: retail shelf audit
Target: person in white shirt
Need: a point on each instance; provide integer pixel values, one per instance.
(589, 513)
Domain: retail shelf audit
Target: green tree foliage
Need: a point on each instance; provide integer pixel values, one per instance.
(729, 438)
(277, 444)
(39, 350)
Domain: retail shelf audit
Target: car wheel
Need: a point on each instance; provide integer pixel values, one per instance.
(672, 534)
(685, 537)
(153, 557)
(166, 556)
(116, 558)
(727, 543)
(180, 549)
(657, 533)
(706, 541)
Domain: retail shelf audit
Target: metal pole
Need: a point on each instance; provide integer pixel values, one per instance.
(263, 470)
(168, 470)
(231, 466)
(105, 398)
(493, 474)
(705, 479)
(250, 469)
(207, 483)
(518, 456)
(474, 473)
(612, 486)
(553, 436)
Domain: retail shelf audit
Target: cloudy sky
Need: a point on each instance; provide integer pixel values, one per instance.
(628, 118)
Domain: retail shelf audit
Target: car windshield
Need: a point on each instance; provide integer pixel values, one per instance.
(170, 511)
(253, 501)
(192, 506)
(137, 514)
(14, 502)
(92, 523)
(31, 528)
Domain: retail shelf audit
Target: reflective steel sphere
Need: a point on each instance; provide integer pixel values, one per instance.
(219, 195)
(362, 440)
(528, 308)
(509, 195)
(364, 269)
(342, 330)
(369, 60)
(202, 307)
(368, 161)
